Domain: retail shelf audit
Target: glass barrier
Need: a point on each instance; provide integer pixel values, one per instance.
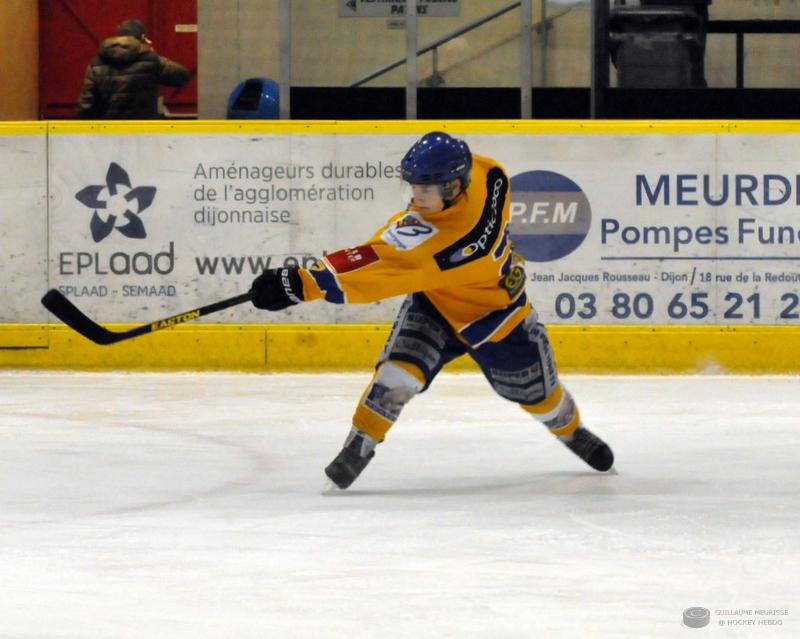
(770, 60)
(346, 54)
(335, 46)
(338, 46)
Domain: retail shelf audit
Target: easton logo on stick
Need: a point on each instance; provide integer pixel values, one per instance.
(55, 302)
(177, 319)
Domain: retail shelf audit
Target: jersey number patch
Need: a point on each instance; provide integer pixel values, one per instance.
(513, 282)
(409, 232)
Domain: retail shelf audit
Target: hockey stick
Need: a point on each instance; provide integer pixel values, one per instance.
(55, 302)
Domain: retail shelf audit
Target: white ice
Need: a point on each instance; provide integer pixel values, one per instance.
(190, 505)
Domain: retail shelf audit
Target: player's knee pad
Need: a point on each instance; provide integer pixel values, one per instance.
(522, 367)
(395, 384)
(392, 387)
(537, 334)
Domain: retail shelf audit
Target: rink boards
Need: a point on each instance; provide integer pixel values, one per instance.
(651, 246)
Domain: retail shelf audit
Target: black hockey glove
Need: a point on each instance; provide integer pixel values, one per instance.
(277, 288)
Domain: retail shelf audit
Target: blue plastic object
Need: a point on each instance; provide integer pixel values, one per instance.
(255, 99)
(437, 158)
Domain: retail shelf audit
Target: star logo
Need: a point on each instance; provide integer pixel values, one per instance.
(119, 203)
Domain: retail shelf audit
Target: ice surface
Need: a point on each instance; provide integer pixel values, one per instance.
(192, 505)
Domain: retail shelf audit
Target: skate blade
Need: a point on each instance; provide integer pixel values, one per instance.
(329, 488)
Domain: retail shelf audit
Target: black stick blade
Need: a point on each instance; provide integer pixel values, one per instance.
(55, 302)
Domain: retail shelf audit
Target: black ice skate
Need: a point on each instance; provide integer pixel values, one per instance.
(591, 449)
(359, 449)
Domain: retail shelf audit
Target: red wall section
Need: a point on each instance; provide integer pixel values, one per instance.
(70, 32)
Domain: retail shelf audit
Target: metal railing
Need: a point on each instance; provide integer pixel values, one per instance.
(741, 27)
(436, 78)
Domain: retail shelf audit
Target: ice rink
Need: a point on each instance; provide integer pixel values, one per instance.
(191, 505)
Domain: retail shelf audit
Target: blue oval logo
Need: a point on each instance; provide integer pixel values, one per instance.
(550, 215)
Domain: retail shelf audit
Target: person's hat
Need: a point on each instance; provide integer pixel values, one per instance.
(133, 28)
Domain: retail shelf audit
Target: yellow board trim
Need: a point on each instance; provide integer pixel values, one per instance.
(272, 127)
(385, 126)
(319, 347)
(21, 127)
(408, 127)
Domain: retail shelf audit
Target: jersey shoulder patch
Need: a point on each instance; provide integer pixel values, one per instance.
(350, 259)
(409, 232)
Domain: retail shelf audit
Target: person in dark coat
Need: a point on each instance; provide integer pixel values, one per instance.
(122, 82)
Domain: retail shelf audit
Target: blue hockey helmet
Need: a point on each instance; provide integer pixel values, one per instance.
(437, 158)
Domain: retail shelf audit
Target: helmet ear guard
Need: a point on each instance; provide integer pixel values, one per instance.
(447, 190)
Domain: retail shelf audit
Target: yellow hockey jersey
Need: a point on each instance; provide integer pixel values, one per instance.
(461, 259)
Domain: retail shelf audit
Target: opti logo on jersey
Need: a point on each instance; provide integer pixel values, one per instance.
(479, 241)
(550, 215)
(117, 200)
(481, 244)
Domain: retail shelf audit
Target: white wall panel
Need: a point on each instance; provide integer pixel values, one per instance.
(23, 227)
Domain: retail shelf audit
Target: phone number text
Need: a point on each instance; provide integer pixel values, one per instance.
(680, 306)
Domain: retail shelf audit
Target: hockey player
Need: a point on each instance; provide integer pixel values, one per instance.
(449, 252)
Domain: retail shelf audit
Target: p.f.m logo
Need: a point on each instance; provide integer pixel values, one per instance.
(550, 215)
(120, 204)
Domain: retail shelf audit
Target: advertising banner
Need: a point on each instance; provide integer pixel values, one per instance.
(657, 229)
(149, 225)
(643, 229)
